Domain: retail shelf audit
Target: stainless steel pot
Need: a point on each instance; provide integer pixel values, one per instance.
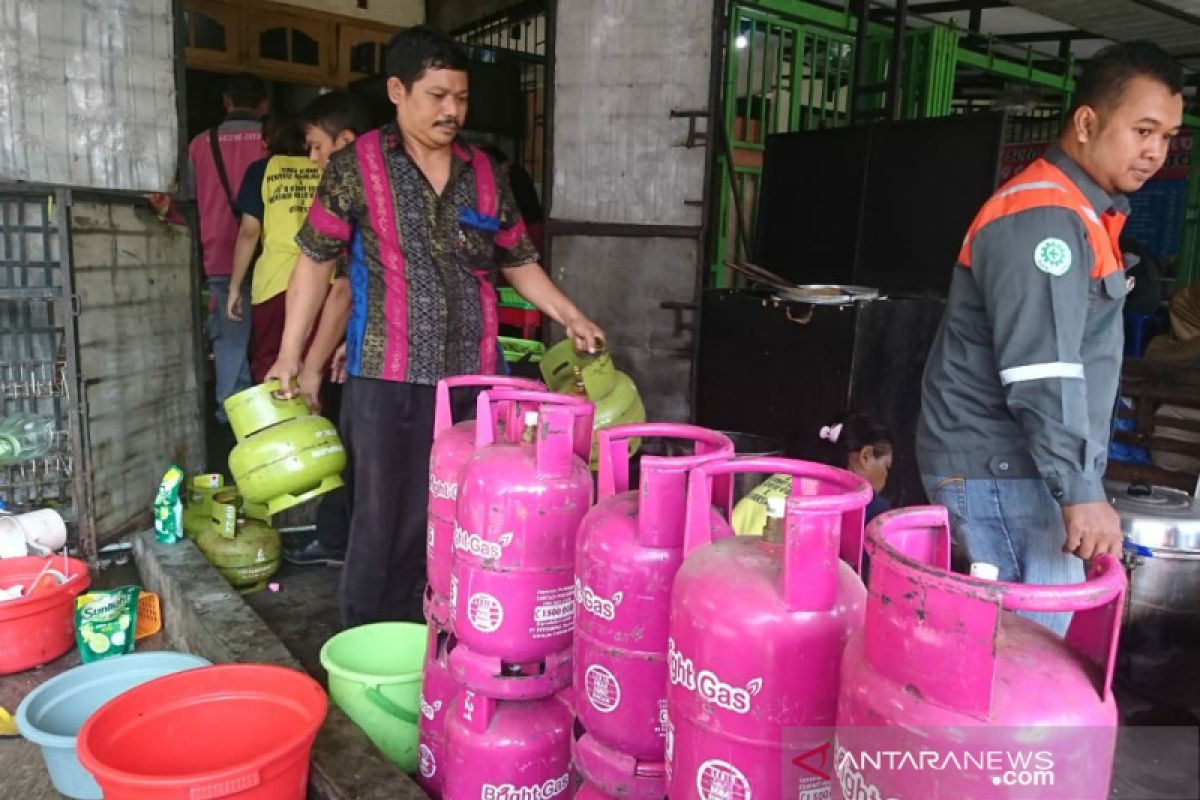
(1160, 635)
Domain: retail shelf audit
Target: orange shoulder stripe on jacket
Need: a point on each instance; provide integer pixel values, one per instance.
(1040, 185)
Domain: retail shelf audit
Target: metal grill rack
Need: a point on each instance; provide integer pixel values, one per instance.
(38, 373)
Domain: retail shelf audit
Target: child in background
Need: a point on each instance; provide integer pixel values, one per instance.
(856, 443)
(273, 200)
(331, 121)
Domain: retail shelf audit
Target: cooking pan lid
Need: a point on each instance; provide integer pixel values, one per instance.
(828, 294)
(1157, 517)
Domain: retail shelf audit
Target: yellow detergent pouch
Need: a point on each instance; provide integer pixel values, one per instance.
(750, 513)
(105, 622)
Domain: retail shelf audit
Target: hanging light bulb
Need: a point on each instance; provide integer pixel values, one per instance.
(741, 41)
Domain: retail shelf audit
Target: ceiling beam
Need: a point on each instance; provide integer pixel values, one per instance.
(955, 6)
(1049, 36)
(1169, 10)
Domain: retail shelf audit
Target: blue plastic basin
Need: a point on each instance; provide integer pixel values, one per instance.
(51, 715)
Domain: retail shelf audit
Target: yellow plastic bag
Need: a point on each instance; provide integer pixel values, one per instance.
(750, 513)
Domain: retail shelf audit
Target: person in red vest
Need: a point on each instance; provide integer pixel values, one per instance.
(429, 222)
(1021, 382)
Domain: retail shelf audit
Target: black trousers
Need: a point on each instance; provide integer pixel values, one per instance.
(333, 511)
(387, 428)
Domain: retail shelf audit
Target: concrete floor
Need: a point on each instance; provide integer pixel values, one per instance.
(303, 613)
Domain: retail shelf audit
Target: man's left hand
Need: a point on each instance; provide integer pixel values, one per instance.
(587, 335)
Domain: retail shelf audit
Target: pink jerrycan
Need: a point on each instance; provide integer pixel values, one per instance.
(524, 493)
(630, 547)
(758, 625)
(990, 704)
(438, 691)
(453, 444)
(507, 750)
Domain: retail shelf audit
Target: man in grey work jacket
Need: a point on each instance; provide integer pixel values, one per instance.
(1021, 382)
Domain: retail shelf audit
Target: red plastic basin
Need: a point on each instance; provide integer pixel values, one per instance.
(37, 629)
(241, 731)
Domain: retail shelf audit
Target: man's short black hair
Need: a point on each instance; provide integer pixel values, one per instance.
(246, 90)
(335, 112)
(416, 49)
(1105, 76)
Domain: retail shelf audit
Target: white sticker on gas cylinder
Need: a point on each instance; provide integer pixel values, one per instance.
(603, 607)
(327, 450)
(443, 489)
(430, 710)
(708, 685)
(720, 780)
(485, 612)
(453, 594)
(552, 787)
(468, 706)
(554, 614)
(430, 537)
(603, 690)
(664, 721)
(428, 763)
(476, 545)
(669, 749)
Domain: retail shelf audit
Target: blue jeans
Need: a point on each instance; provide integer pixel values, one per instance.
(1015, 525)
(230, 344)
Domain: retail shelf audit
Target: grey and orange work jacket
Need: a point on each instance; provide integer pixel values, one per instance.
(1023, 373)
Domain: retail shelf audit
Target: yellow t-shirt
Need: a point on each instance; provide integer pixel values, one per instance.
(750, 514)
(287, 191)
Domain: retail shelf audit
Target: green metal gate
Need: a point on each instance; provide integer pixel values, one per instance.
(789, 67)
(781, 75)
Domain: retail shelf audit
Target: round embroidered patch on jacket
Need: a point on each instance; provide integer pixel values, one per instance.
(1052, 256)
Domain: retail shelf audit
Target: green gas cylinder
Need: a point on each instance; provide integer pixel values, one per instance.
(613, 393)
(244, 550)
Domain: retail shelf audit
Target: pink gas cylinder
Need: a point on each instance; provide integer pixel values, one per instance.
(507, 750)
(630, 547)
(438, 690)
(985, 703)
(589, 791)
(758, 625)
(453, 444)
(523, 494)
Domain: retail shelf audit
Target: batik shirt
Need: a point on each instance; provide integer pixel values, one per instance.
(422, 266)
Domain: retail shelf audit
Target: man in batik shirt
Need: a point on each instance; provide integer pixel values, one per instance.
(428, 221)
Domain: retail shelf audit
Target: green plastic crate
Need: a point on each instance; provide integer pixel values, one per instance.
(510, 298)
(521, 349)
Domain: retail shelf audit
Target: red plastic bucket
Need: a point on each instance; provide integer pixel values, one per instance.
(37, 629)
(238, 730)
